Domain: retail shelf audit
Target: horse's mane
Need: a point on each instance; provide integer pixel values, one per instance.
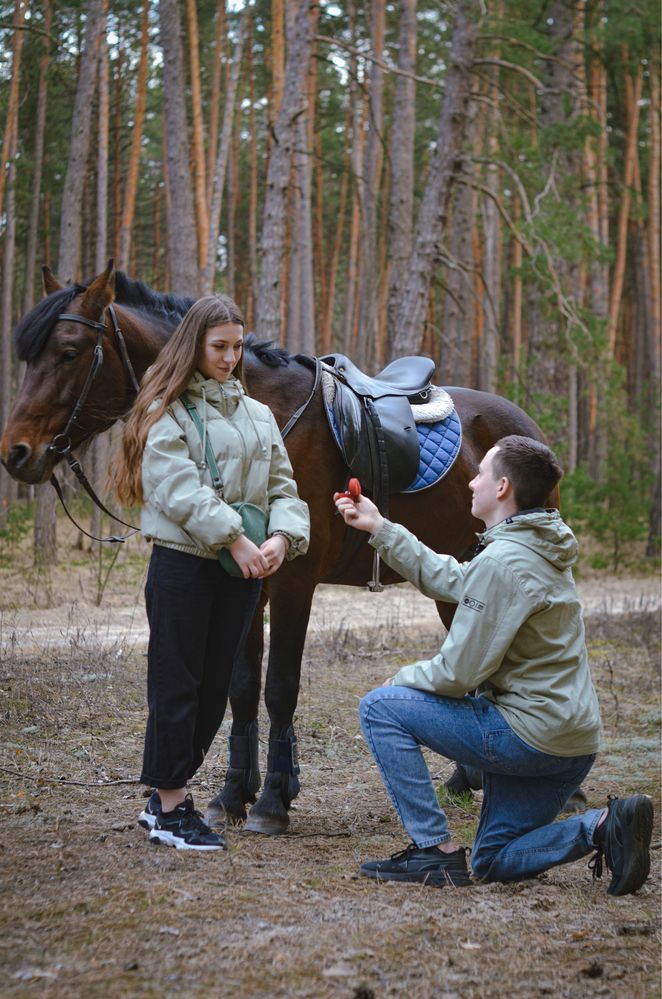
(267, 352)
(33, 330)
(137, 295)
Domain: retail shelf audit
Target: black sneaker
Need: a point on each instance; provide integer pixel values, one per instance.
(623, 840)
(184, 829)
(429, 866)
(147, 818)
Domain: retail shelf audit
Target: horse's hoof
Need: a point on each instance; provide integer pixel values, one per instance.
(268, 825)
(457, 783)
(577, 802)
(220, 813)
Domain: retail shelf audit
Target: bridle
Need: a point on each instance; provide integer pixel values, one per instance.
(61, 443)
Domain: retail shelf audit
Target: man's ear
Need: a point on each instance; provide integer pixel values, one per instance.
(505, 488)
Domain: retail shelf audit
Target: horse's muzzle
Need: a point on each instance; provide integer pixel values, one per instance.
(18, 462)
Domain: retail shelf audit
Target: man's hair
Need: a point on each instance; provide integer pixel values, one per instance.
(530, 466)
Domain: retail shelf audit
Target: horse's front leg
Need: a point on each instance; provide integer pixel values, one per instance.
(242, 777)
(290, 603)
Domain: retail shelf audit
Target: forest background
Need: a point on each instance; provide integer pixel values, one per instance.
(475, 181)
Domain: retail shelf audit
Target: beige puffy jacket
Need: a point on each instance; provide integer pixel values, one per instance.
(181, 509)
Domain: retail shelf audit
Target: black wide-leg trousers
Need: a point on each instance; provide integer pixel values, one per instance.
(199, 617)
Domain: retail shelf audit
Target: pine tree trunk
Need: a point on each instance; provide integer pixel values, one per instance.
(492, 278)
(131, 185)
(37, 171)
(100, 444)
(7, 486)
(118, 131)
(157, 258)
(252, 200)
(197, 130)
(327, 318)
(594, 445)
(653, 219)
(412, 312)
(278, 56)
(215, 96)
(369, 192)
(220, 168)
(358, 112)
(69, 253)
(20, 9)
(401, 146)
(515, 323)
(301, 312)
(559, 105)
(632, 104)
(458, 312)
(273, 245)
(180, 211)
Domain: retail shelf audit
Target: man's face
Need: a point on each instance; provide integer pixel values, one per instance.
(484, 489)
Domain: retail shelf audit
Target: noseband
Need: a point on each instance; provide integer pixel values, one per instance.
(61, 443)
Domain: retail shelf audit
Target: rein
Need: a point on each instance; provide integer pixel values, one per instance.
(61, 443)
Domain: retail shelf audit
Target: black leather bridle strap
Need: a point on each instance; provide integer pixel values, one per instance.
(82, 478)
(301, 410)
(124, 353)
(62, 442)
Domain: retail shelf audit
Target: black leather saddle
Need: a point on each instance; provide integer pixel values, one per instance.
(408, 376)
(373, 421)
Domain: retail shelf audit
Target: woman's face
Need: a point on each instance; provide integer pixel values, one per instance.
(220, 351)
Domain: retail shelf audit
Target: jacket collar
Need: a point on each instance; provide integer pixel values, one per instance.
(214, 391)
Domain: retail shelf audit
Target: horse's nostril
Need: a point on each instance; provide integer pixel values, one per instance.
(17, 456)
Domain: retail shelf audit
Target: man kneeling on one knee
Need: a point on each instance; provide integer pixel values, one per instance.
(517, 638)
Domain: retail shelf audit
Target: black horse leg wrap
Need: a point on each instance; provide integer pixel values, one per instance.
(245, 755)
(283, 757)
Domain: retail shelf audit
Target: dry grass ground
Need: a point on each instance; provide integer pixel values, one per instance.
(89, 909)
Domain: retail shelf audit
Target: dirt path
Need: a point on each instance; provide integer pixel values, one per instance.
(89, 910)
(335, 608)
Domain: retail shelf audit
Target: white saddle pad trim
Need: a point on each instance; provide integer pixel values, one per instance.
(436, 409)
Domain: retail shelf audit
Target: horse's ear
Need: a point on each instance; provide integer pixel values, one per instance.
(102, 290)
(49, 281)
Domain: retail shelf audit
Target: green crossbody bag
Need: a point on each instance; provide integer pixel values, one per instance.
(253, 517)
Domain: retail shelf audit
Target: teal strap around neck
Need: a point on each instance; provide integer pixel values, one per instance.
(217, 482)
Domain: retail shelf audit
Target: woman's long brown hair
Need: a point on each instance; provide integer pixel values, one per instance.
(164, 381)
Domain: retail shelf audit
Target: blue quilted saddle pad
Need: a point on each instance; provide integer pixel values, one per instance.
(440, 446)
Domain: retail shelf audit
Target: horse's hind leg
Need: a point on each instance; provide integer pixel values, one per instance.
(242, 777)
(290, 612)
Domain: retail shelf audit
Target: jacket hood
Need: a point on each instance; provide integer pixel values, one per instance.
(543, 531)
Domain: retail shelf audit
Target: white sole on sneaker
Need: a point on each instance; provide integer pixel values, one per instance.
(161, 837)
(147, 820)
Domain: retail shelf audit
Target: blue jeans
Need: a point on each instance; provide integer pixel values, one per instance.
(523, 789)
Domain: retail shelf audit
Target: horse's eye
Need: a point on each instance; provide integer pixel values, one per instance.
(69, 355)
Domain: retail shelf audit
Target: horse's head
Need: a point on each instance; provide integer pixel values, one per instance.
(75, 382)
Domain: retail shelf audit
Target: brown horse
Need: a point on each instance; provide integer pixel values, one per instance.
(68, 395)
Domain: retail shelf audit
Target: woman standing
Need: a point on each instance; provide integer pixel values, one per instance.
(199, 613)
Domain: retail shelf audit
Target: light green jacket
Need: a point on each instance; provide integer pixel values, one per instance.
(181, 508)
(517, 635)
